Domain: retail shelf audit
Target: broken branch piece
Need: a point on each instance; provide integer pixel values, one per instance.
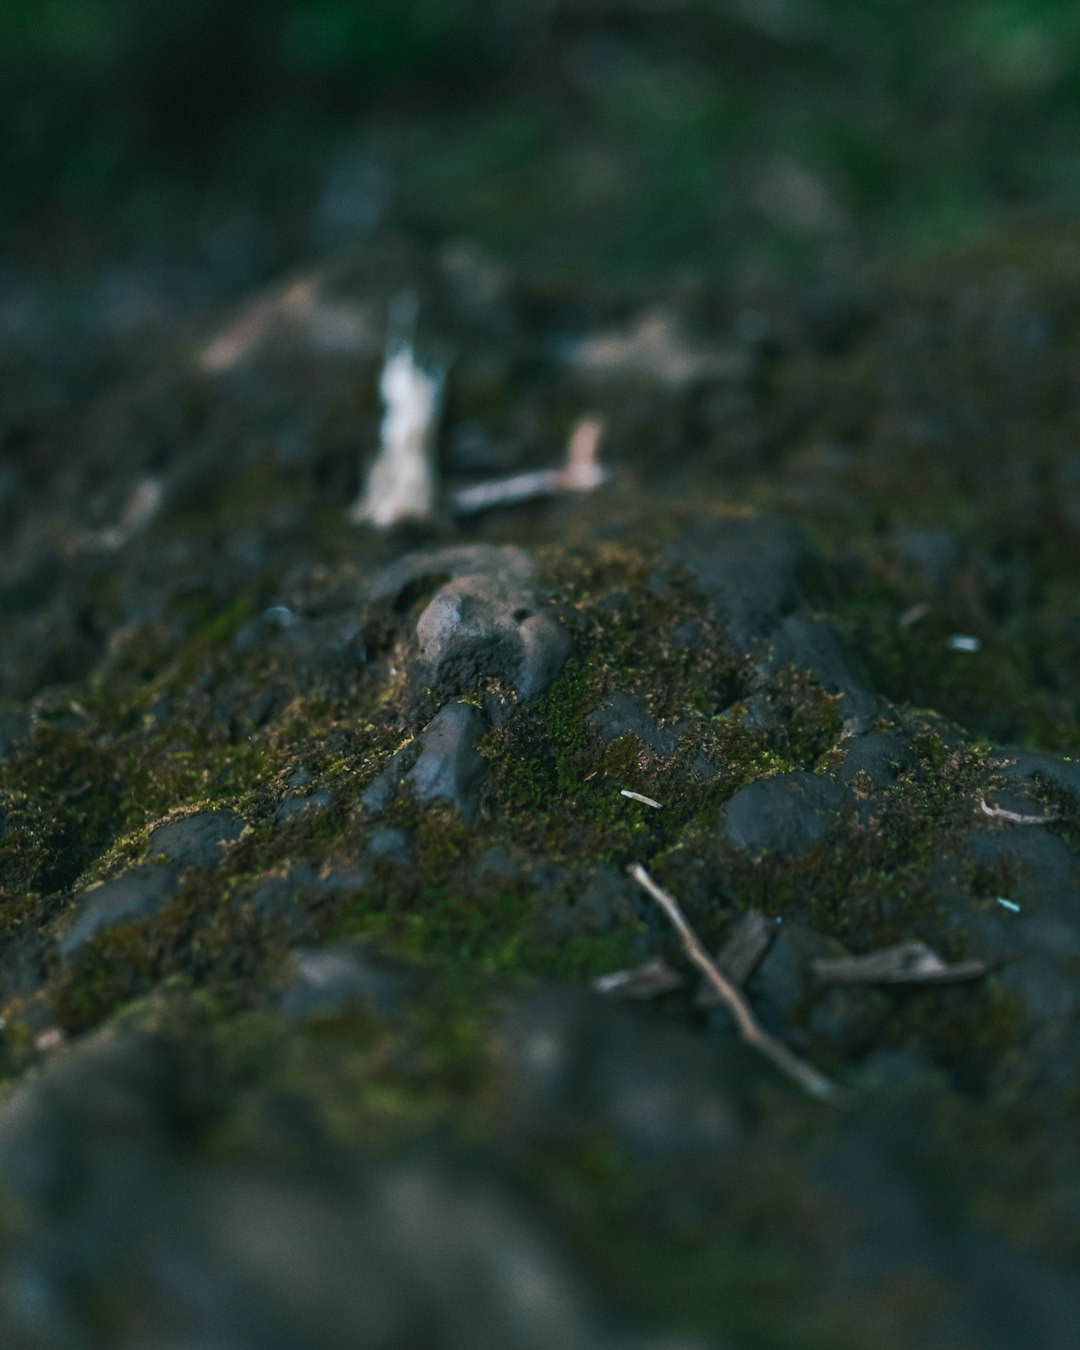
(582, 472)
(751, 1030)
(740, 955)
(402, 483)
(645, 981)
(1014, 817)
(639, 797)
(904, 963)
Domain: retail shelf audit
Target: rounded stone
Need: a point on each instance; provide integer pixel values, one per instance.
(785, 815)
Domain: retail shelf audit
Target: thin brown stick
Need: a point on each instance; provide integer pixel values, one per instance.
(750, 1029)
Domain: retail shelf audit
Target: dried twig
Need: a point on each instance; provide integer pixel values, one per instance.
(246, 333)
(904, 963)
(751, 1030)
(741, 954)
(645, 981)
(581, 473)
(638, 797)
(1014, 817)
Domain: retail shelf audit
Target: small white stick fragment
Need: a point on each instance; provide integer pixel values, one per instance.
(751, 1030)
(402, 483)
(961, 642)
(1008, 904)
(637, 797)
(582, 472)
(1014, 817)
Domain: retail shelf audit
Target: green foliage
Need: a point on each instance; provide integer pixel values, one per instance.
(625, 140)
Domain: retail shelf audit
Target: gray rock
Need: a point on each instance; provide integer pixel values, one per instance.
(933, 554)
(748, 570)
(294, 807)
(486, 621)
(283, 902)
(331, 644)
(626, 715)
(197, 840)
(881, 756)
(804, 641)
(384, 788)
(1032, 766)
(449, 767)
(392, 846)
(786, 815)
(330, 981)
(24, 968)
(1000, 1293)
(1042, 869)
(791, 1003)
(486, 626)
(611, 900)
(781, 983)
(433, 568)
(418, 1251)
(12, 727)
(585, 1064)
(139, 894)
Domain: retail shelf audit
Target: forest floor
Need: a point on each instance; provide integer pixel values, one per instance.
(314, 841)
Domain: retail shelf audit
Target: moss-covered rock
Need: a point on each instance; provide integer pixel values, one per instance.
(390, 777)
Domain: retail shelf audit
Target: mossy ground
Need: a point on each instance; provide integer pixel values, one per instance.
(180, 714)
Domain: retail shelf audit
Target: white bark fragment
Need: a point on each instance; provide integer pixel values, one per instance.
(402, 485)
(582, 472)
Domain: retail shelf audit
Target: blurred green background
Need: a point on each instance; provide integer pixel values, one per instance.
(613, 136)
